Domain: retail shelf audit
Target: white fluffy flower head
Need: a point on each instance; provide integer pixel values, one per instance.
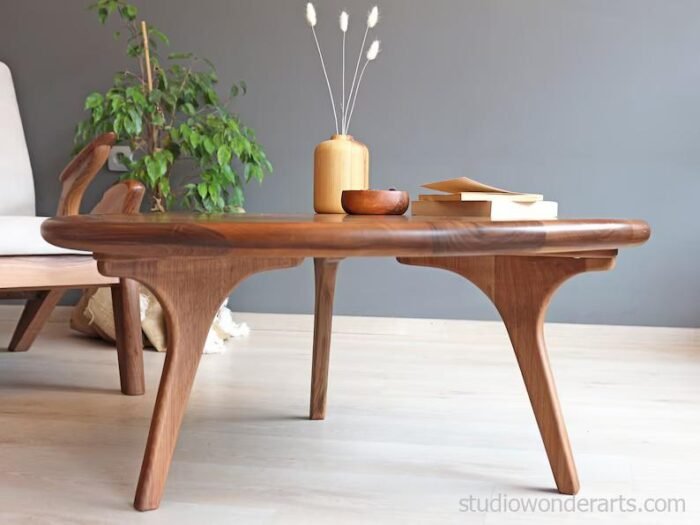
(344, 21)
(373, 17)
(374, 50)
(311, 15)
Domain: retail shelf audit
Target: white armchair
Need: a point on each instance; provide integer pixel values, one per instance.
(40, 273)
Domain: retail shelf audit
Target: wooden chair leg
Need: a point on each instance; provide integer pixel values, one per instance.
(127, 323)
(325, 271)
(521, 289)
(35, 314)
(190, 292)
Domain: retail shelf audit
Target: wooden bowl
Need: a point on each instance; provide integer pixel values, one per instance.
(375, 202)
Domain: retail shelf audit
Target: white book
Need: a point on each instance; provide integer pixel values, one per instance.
(497, 210)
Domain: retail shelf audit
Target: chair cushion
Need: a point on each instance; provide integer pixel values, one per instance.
(17, 197)
(22, 236)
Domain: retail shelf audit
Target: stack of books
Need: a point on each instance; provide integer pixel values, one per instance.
(468, 198)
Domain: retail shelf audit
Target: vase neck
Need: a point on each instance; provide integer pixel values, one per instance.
(342, 137)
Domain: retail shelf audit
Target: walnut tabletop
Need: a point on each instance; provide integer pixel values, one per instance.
(335, 235)
(193, 262)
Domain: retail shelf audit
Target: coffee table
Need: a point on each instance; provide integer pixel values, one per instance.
(192, 263)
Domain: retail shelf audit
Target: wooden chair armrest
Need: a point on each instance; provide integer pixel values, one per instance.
(80, 172)
(123, 197)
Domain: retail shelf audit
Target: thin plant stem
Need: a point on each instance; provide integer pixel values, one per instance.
(328, 82)
(352, 110)
(344, 110)
(357, 69)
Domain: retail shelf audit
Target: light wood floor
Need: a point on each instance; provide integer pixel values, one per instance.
(421, 415)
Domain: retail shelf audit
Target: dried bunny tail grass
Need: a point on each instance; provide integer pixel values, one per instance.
(312, 21)
(344, 24)
(373, 17)
(372, 21)
(374, 50)
(372, 54)
(311, 18)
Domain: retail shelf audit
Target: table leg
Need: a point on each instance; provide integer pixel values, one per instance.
(521, 289)
(127, 324)
(190, 290)
(325, 271)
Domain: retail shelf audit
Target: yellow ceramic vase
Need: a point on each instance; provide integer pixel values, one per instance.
(340, 164)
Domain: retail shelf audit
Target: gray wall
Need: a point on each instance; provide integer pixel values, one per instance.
(595, 103)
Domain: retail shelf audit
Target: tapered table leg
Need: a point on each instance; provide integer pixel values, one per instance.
(127, 324)
(521, 289)
(325, 271)
(190, 290)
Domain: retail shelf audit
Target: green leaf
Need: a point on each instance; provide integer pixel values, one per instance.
(129, 12)
(228, 173)
(211, 97)
(214, 190)
(239, 144)
(238, 198)
(180, 56)
(208, 145)
(130, 126)
(153, 171)
(97, 114)
(223, 156)
(170, 100)
(134, 50)
(136, 94)
(137, 121)
(159, 34)
(164, 186)
(94, 100)
(118, 124)
(202, 189)
(162, 166)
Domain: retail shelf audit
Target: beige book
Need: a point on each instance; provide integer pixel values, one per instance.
(482, 196)
(492, 210)
(465, 185)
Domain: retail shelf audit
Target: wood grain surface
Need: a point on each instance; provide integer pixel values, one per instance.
(191, 263)
(190, 292)
(334, 235)
(35, 314)
(325, 271)
(521, 289)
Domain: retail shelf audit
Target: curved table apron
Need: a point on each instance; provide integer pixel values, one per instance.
(192, 263)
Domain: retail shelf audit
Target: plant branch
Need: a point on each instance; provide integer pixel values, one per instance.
(185, 77)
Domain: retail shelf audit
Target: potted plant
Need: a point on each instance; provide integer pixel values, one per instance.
(168, 110)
